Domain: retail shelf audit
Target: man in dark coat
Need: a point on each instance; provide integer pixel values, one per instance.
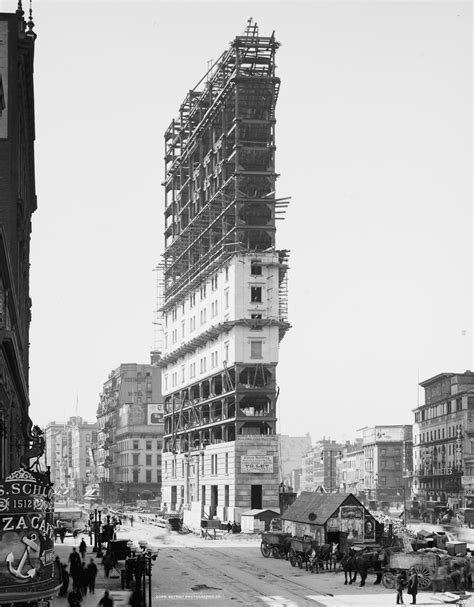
(413, 587)
(83, 548)
(91, 575)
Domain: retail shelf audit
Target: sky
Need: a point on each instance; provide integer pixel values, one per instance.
(374, 146)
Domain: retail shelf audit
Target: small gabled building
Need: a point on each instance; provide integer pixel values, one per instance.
(330, 517)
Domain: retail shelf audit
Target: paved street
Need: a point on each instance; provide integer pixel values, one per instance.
(231, 571)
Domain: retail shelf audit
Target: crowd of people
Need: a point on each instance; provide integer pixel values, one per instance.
(78, 578)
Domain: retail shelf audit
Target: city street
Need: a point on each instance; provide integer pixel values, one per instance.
(231, 571)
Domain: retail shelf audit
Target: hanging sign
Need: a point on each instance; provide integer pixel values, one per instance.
(27, 566)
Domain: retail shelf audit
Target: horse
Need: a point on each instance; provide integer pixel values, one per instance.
(361, 564)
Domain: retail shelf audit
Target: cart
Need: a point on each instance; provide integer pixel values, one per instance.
(300, 549)
(424, 564)
(276, 544)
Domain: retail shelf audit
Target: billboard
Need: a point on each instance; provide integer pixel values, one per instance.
(155, 413)
(352, 522)
(27, 566)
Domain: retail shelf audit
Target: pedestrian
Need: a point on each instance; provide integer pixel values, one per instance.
(64, 580)
(62, 534)
(75, 533)
(83, 579)
(413, 587)
(131, 520)
(106, 601)
(74, 561)
(108, 563)
(83, 549)
(399, 585)
(229, 526)
(91, 575)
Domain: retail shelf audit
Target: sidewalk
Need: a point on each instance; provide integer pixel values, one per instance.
(102, 583)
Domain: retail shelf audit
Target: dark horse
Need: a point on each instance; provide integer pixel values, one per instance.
(362, 563)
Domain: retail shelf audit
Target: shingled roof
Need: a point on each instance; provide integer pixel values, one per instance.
(324, 505)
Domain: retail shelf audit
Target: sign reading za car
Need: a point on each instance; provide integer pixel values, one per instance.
(256, 463)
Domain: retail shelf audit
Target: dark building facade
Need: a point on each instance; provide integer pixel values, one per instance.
(17, 204)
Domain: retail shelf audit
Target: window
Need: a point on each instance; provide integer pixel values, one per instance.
(174, 379)
(226, 273)
(214, 359)
(136, 459)
(255, 349)
(203, 364)
(182, 328)
(135, 476)
(214, 308)
(203, 316)
(192, 324)
(256, 267)
(214, 282)
(136, 445)
(226, 351)
(214, 464)
(192, 300)
(182, 308)
(203, 292)
(192, 370)
(256, 294)
(256, 326)
(148, 476)
(226, 299)
(227, 463)
(148, 460)
(148, 445)
(174, 313)
(158, 460)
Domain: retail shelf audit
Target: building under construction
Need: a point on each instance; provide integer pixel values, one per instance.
(224, 298)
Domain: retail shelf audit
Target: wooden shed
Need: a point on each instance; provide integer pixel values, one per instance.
(257, 520)
(330, 517)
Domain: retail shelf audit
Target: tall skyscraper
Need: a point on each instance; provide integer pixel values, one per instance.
(225, 289)
(17, 203)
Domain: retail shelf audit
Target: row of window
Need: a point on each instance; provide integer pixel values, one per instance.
(440, 409)
(136, 460)
(216, 460)
(150, 476)
(438, 434)
(136, 444)
(256, 352)
(255, 294)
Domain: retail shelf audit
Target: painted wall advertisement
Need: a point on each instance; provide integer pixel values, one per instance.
(256, 463)
(155, 413)
(26, 539)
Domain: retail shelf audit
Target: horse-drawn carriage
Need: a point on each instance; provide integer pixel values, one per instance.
(423, 563)
(276, 544)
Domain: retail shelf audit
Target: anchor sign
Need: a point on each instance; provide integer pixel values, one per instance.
(31, 545)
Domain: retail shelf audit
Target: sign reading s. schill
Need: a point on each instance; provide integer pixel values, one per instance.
(27, 566)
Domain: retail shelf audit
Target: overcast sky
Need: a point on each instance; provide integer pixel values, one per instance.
(374, 136)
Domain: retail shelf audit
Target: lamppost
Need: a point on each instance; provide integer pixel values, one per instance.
(97, 525)
(144, 558)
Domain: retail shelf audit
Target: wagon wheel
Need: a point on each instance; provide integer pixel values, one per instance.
(299, 560)
(424, 576)
(276, 552)
(388, 580)
(265, 549)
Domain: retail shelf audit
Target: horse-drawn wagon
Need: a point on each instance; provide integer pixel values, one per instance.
(300, 550)
(275, 543)
(424, 564)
